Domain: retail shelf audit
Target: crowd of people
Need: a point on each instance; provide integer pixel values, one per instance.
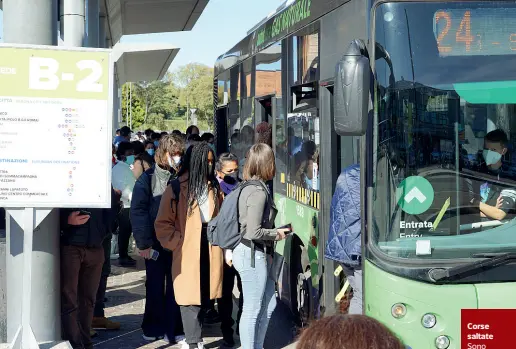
(166, 189)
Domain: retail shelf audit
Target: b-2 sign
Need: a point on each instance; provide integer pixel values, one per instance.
(55, 123)
(43, 75)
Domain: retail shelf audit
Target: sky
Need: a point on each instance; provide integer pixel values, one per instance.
(222, 24)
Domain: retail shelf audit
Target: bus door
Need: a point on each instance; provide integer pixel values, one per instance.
(264, 110)
(338, 153)
(221, 130)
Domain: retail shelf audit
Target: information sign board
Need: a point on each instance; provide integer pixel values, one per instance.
(56, 114)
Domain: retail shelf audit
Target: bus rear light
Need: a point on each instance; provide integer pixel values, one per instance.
(398, 310)
(442, 342)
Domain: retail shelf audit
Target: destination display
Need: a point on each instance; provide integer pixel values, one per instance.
(55, 127)
(475, 32)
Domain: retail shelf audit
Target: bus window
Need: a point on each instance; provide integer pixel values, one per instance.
(444, 163)
(305, 53)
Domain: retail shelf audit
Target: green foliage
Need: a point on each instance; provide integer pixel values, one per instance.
(166, 104)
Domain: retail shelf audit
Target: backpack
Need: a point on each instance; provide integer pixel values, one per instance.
(224, 229)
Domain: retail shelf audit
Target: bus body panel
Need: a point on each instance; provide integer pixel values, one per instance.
(444, 301)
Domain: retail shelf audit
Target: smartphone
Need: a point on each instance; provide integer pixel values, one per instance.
(287, 226)
(84, 213)
(154, 255)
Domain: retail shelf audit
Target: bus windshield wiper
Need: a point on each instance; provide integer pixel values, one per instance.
(490, 261)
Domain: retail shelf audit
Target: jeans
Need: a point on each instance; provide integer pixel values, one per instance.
(125, 230)
(354, 276)
(162, 315)
(80, 275)
(106, 270)
(259, 296)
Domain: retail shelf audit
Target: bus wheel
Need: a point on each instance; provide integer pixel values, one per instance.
(304, 297)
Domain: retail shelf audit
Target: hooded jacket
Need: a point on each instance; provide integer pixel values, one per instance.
(344, 238)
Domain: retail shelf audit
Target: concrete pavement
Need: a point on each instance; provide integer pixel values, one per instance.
(126, 304)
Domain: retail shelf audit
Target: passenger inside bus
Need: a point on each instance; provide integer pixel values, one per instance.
(495, 201)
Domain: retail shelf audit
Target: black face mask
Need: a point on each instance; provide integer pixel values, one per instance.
(231, 178)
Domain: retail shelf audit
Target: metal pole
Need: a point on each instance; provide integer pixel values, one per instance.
(131, 105)
(73, 22)
(32, 317)
(93, 24)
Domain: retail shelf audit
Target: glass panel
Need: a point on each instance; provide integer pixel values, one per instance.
(282, 154)
(223, 89)
(268, 71)
(445, 136)
(305, 53)
(247, 83)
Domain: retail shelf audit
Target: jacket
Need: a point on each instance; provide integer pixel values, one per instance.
(344, 239)
(93, 233)
(144, 210)
(257, 214)
(180, 232)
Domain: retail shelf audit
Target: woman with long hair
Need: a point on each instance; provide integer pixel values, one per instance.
(187, 206)
(162, 318)
(256, 217)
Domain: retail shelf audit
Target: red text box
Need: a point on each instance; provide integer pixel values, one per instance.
(487, 328)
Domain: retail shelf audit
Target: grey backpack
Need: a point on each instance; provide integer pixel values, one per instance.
(224, 229)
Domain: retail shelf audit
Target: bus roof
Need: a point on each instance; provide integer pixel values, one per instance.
(291, 16)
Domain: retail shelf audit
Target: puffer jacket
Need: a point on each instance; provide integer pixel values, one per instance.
(144, 209)
(344, 239)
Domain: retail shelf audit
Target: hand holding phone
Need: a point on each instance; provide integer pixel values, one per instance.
(84, 213)
(287, 228)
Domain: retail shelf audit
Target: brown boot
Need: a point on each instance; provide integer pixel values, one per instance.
(102, 323)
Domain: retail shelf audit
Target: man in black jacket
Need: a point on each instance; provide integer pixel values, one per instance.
(82, 257)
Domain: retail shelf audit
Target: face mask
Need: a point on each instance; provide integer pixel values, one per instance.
(491, 157)
(231, 178)
(129, 159)
(156, 143)
(174, 161)
(150, 152)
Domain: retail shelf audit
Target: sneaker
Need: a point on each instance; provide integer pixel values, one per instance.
(200, 345)
(150, 338)
(93, 334)
(102, 323)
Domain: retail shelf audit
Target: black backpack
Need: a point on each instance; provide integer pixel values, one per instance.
(224, 229)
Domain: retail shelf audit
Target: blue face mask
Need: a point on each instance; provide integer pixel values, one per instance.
(156, 144)
(129, 159)
(151, 152)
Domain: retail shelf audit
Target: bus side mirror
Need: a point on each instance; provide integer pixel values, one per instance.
(351, 91)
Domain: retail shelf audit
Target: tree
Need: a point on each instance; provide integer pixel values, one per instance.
(195, 84)
(138, 113)
(155, 96)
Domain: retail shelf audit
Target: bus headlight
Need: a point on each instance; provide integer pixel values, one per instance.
(398, 310)
(428, 320)
(442, 342)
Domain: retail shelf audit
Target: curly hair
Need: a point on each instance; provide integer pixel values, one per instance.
(354, 332)
(171, 144)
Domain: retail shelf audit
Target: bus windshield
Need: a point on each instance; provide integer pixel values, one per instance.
(444, 160)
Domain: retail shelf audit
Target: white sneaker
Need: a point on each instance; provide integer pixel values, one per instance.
(150, 339)
(200, 345)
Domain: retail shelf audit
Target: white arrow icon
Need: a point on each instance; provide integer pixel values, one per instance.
(415, 193)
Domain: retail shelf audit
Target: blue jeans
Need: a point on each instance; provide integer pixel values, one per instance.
(259, 296)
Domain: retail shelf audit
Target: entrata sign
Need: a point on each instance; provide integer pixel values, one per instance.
(55, 127)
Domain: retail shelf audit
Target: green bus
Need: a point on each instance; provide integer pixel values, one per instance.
(422, 94)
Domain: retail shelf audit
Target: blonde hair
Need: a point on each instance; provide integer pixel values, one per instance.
(260, 163)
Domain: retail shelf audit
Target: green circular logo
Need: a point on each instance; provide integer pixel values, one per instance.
(415, 195)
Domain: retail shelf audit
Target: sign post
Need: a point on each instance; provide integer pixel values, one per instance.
(55, 125)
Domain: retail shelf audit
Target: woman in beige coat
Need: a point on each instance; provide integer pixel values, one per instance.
(181, 228)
